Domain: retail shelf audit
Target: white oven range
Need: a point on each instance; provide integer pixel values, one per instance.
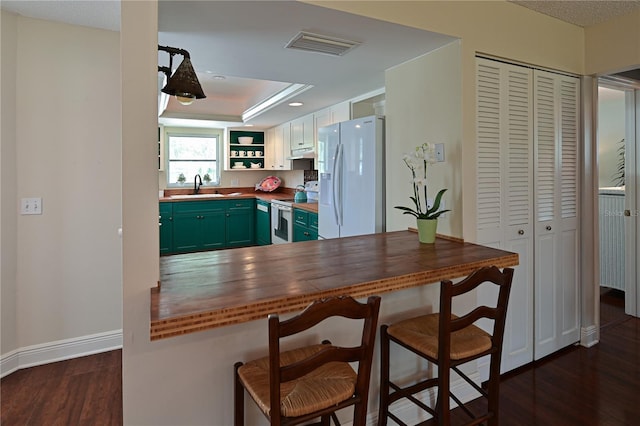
(282, 221)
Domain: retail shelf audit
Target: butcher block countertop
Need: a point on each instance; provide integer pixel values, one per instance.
(309, 206)
(200, 291)
(209, 193)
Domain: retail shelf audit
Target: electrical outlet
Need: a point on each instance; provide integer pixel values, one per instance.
(439, 152)
(31, 206)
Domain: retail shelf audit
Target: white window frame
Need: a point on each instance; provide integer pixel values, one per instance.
(195, 133)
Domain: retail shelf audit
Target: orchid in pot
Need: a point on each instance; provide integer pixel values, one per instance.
(426, 216)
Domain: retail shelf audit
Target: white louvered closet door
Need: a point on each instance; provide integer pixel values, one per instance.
(505, 190)
(556, 146)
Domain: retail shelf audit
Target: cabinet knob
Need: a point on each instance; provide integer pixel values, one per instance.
(627, 212)
(548, 228)
(306, 234)
(521, 232)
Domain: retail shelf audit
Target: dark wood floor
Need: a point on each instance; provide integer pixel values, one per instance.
(578, 386)
(81, 391)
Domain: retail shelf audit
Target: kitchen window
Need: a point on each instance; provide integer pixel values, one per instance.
(192, 154)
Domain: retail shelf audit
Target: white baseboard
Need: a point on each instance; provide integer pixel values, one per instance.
(59, 350)
(589, 336)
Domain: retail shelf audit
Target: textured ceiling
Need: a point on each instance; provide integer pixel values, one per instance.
(584, 12)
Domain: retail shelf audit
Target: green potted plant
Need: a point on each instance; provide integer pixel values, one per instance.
(426, 216)
(618, 177)
(206, 178)
(181, 178)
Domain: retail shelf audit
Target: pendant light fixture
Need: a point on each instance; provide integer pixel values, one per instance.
(183, 84)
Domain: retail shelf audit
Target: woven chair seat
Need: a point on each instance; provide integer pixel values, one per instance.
(422, 333)
(328, 385)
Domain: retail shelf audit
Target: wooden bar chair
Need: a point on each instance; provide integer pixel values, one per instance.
(448, 341)
(314, 381)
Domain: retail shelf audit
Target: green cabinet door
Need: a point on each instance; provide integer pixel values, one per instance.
(198, 226)
(213, 230)
(305, 225)
(263, 222)
(186, 232)
(313, 226)
(166, 228)
(189, 226)
(240, 224)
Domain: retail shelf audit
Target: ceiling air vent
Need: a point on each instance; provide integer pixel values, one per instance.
(321, 44)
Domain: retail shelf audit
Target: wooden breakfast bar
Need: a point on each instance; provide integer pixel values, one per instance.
(200, 291)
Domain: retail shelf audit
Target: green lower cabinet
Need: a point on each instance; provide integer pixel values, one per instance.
(206, 225)
(263, 223)
(198, 226)
(305, 225)
(166, 228)
(240, 217)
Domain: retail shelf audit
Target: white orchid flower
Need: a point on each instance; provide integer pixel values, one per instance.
(417, 163)
(420, 182)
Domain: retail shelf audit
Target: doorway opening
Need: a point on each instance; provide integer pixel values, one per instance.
(616, 197)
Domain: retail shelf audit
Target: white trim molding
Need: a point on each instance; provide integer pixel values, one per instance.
(59, 350)
(589, 336)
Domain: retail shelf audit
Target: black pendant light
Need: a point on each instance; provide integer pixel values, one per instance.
(183, 84)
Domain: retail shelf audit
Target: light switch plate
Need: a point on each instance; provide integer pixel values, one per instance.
(439, 152)
(31, 205)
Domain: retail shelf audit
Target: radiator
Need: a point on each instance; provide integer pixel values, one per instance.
(611, 207)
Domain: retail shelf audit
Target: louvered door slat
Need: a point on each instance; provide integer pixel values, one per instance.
(546, 148)
(488, 148)
(569, 147)
(519, 146)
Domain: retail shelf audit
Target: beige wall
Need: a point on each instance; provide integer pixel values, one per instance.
(67, 151)
(424, 104)
(614, 45)
(8, 171)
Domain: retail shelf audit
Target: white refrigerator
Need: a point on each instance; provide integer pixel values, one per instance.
(351, 178)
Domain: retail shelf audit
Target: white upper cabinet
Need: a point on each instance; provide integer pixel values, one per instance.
(296, 136)
(333, 114)
(302, 133)
(278, 148)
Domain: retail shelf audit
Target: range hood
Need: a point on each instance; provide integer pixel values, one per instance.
(297, 154)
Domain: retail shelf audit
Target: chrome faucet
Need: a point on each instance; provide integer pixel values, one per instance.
(196, 184)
